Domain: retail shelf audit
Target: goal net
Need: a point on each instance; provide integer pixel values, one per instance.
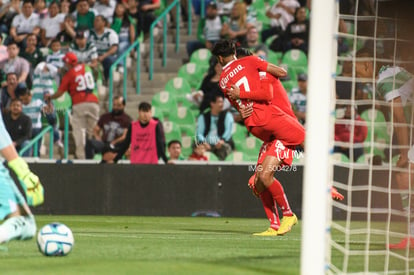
(370, 137)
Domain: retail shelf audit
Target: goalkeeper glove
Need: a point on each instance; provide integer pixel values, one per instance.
(29, 181)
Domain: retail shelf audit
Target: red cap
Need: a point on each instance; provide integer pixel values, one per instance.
(70, 58)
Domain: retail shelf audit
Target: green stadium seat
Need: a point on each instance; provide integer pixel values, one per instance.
(238, 156)
(259, 4)
(289, 85)
(193, 73)
(365, 159)
(339, 157)
(211, 156)
(164, 101)
(296, 58)
(182, 117)
(202, 58)
(263, 22)
(171, 130)
(239, 132)
(291, 71)
(186, 145)
(157, 112)
(178, 87)
(250, 146)
(274, 57)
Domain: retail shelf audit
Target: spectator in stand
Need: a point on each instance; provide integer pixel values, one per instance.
(44, 76)
(297, 32)
(106, 8)
(67, 34)
(8, 10)
(343, 132)
(84, 16)
(85, 50)
(174, 151)
(133, 12)
(65, 7)
(253, 43)
(145, 137)
(208, 31)
(40, 8)
(110, 130)
(198, 153)
(25, 23)
(8, 92)
(79, 83)
(146, 13)
(124, 26)
(3, 53)
(280, 14)
(16, 64)
(298, 98)
(251, 12)
(55, 58)
(19, 126)
(106, 41)
(224, 7)
(51, 24)
(36, 109)
(32, 53)
(214, 129)
(210, 85)
(236, 26)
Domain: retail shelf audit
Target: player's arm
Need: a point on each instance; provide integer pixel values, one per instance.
(401, 130)
(264, 94)
(276, 70)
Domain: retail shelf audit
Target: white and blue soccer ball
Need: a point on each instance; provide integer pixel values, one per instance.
(55, 239)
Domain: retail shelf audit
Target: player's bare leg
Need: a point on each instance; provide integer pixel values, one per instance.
(265, 181)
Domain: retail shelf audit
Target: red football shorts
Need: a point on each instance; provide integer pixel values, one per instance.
(275, 148)
(280, 126)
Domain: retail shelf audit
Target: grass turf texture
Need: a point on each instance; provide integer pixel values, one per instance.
(159, 245)
(171, 245)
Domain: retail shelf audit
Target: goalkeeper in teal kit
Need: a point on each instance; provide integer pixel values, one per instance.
(18, 221)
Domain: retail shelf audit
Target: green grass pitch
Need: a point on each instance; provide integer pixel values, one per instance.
(159, 245)
(172, 245)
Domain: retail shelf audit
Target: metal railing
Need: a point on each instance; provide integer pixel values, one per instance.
(123, 57)
(163, 16)
(35, 143)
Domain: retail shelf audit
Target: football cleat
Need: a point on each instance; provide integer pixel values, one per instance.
(402, 244)
(268, 233)
(287, 223)
(336, 195)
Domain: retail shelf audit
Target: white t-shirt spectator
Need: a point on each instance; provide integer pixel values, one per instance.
(25, 25)
(286, 17)
(106, 10)
(104, 41)
(52, 25)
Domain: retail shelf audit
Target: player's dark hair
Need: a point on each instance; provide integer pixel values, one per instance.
(174, 141)
(144, 106)
(224, 48)
(242, 52)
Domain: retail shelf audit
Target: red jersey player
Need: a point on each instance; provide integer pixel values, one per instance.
(278, 130)
(80, 84)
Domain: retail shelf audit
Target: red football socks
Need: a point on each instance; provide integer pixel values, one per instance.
(270, 209)
(278, 194)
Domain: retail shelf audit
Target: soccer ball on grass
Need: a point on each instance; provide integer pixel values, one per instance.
(55, 239)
